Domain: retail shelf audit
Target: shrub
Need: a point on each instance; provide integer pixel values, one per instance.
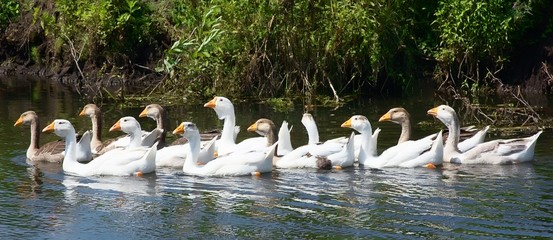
(475, 37)
(9, 9)
(276, 48)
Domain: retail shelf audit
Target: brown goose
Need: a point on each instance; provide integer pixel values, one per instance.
(468, 135)
(253, 162)
(158, 114)
(399, 116)
(265, 128)
(49, 152)
(96, 144)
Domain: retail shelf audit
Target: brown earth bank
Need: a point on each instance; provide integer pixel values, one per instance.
(25, 50)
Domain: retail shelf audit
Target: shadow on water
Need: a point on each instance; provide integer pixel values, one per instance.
(453, 201)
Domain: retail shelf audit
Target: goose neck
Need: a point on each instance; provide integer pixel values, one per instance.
(312, 133)
(193, 152)
(454, 133)
(272, 138)
(228, 128)
(366, 139)
(70, 158)
(135, 138)
(35, 135)
(160, 122)
(96, 128)
(405, 131)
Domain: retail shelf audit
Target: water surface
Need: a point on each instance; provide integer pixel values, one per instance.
(456, 201)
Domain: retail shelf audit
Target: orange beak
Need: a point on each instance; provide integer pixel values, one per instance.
(116, 126)
(18, 122)
(144, 113)
(83, 113)
(433, 111)
(253, 127)
(346, 124)
(385, 117)
(212, 103)
(179, 130)
(49, 128)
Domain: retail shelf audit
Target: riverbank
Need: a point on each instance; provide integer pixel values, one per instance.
(281, 49)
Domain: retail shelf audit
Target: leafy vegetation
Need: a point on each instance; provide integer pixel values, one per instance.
(475, 37)
(8, 12)
(9, 9)
(276, 49)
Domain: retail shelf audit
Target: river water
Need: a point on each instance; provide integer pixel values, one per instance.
(454, 201)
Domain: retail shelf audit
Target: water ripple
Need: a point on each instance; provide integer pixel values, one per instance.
(452, 202)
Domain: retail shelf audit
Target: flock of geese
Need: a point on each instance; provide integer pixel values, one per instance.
(218, 154)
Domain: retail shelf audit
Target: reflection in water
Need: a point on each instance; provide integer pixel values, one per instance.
(132, 185)
(455, 201)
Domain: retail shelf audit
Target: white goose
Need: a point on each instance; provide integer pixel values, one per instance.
(244, 163)
(84, 152)
(284, 142)
(392, 156)
(319, 156)
(288, 160)
(316, 154)
(130, 126)
(502, 151)
(430, 158)
(226, 144)
(136, 160)
(52, 151)
(174, 156)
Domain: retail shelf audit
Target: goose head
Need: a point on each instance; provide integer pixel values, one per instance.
(395, 115)
(311, 126)
(152, 111)
(262, 126)
(444, 113)
(90, 110)
(26, 118)
(187, 130)
(308, 120)
(128, 125)
(60, 127)
(359, 123)
(222, 106)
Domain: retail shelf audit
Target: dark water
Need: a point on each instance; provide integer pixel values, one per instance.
(455, 201)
